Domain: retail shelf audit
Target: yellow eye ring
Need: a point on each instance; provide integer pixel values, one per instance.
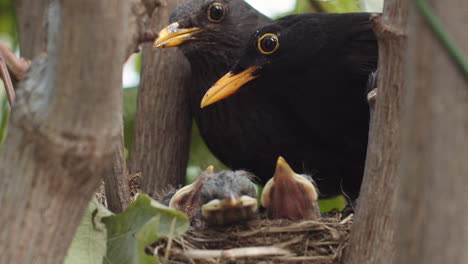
(215, 12)
(268, 43)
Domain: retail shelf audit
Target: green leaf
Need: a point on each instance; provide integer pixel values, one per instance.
(337, 202)
(4, 117)
(8, 27)
(371, 5)
(89, 244)
(145, 221)
(129, 112)
(200, 155)
(327, 6)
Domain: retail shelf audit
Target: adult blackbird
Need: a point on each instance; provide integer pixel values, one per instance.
(313, 69)
(289, 195)
(245, 132)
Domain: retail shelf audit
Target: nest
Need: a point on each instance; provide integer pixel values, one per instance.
(261, 241)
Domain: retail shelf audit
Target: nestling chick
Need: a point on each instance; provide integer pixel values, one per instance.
(186, 199)
(289, 195)
(229, 197)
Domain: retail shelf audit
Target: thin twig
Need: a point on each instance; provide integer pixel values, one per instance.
(17, 66)
(6, 80)
(169, 241)
(236, 252)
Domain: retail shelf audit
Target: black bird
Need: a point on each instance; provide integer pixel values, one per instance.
(242, 132)
(289, 195)
(312, 69)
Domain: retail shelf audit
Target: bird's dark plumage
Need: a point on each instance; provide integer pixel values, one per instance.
(241, 132)
(309, 74)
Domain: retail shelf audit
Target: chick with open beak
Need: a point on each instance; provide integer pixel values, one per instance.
(223, 198)
(289, 195)
(186, 199)
(229, 197)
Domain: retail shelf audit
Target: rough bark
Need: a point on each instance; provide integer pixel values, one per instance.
(65, 117)
(32, 22)
(372, 236)
(116, 177)
(433, 220)
(162, 125)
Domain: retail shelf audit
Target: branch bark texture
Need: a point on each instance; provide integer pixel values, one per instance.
(372, 236)
(433, 220)
(163, 121)
(32, 21)
(116, 184)
(62, 124)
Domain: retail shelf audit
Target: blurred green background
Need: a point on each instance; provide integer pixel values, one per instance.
(200, 156)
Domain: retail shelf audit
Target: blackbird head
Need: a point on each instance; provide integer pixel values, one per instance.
(207, 25)
(228, 197)
(289, 195)
(280, 45)
(289, 45)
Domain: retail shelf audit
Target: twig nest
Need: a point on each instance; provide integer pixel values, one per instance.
(262, 241)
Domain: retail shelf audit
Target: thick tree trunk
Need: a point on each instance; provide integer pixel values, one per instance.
(372, 236)
(62, 124)
(32, 16)
(162, 125)
(433, 216)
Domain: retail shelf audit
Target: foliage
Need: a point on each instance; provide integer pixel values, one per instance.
(338, 202)
(129, 112)
(337, 6)
(103, 237)
(8, 27)
(4, 117)
(143, 223)
(89, 244)
(333, 6)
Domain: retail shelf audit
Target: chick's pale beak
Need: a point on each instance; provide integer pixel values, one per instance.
(233, 210)
(188, 195)
(173, 36)
(228, 85)
(289, 195)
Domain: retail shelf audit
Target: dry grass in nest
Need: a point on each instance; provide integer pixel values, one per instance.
(133, 184)
(256, 242)
(261, 241)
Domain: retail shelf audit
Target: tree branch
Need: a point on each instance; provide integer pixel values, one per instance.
(116, 175)
(62, 123)
(18, 66)
(372, 235)
(433, 220)
(139, 32)
(32, 23)
(162, 125)
(116, 184)
(10, 92)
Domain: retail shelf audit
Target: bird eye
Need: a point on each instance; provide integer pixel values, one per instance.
(268, 43)
(215, 12)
